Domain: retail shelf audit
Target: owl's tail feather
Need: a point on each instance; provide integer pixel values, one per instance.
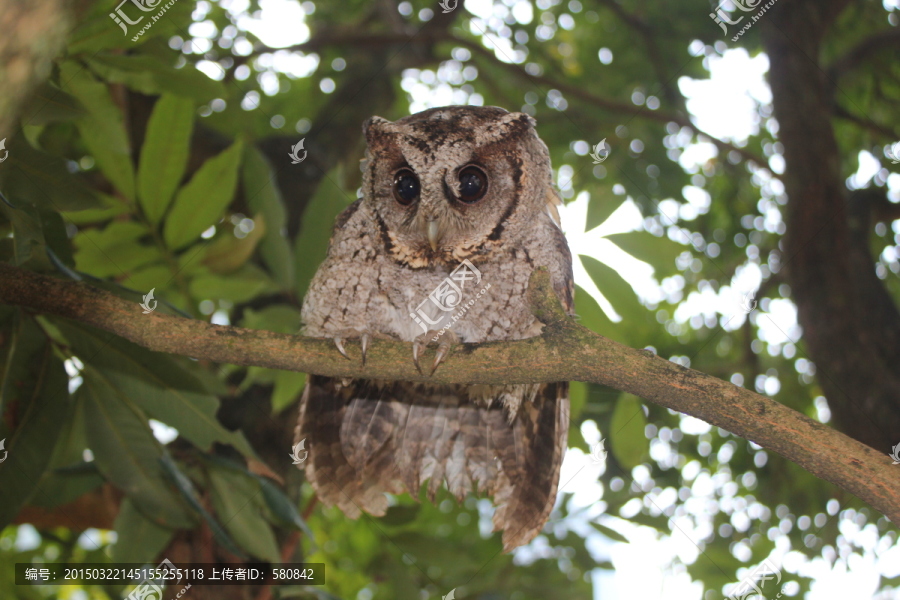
(366, 439)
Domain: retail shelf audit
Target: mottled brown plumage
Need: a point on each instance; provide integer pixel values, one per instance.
(457, 211)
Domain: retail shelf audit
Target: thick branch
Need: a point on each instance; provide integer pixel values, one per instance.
(566, 351)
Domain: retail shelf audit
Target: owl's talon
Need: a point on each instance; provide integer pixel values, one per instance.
(416, 355)
(364, 343)
(339, 342)
(442, 351)
(447, 339)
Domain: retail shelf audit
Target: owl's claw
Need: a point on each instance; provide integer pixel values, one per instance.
(364, 336)
(364, 344)
(447, 339)
(442, 351)
(416, 355)
(339, 342)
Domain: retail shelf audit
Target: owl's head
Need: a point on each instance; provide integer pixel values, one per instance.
(456, 182)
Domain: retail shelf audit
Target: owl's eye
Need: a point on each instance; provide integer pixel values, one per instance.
(406, 187)
(472, 184)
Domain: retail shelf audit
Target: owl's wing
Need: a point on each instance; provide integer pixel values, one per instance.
(366, 439)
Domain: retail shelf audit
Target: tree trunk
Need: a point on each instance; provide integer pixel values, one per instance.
(851, 326)
(32, 33)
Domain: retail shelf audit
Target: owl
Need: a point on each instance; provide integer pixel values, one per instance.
(457, 210)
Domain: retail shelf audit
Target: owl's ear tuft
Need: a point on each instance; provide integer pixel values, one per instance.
(375, 128)
(520, 119)
(515, 124)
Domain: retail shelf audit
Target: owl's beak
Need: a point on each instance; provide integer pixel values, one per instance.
(433, 235)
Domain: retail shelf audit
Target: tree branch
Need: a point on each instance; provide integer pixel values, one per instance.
(867, 124)
(883, 40)
(656, 57)
(565, 351)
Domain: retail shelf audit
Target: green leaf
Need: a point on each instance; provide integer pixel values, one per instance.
(102, 129)
(97, 31)
(140, 540)
(49, 104)
(186, 488)
(235, 498)
(590, 314)
(154, 276)
(159, 384)
(281, 506)
(150, 76)
(659, 252)
(288, 387)
(228, 252)
(578, 394)
(126, 452)
(31, 177)
(68, 476)
(610, 533)
(247, 282)
(114, 250)
(264, 197)
(28, 237)
(35, 387)
(164, 154)
(201, 202)
(615, 289)
(110, 207)
(56, 238)
(318, 219)
(599, 209)
(626, 431)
